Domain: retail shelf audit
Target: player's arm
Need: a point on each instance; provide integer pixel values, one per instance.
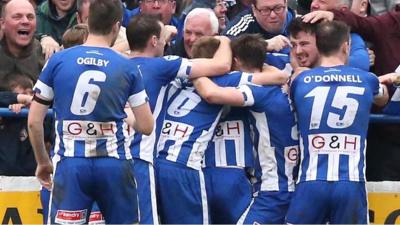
(139, 103)
(382, 97)
(144, 122)
(215, 94)
(130, 118)
(270, 75)
(218, 65)
(390, 78)
(36, 117)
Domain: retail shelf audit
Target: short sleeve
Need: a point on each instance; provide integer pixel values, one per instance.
(45, 84)
(137, 95)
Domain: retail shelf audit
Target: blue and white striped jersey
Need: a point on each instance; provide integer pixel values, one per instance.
(393, 106)
(333, 106)
(90, 87)
(275, 139)
(190, 121)
(231, 144)
(157, 73)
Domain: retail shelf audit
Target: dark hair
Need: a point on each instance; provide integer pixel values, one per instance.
(297, 25)
(330, 36)
(254, 2)
(250, 49)
(205, 47)
(75, 35)
(141, 28)
(16, 79)
(103, 14)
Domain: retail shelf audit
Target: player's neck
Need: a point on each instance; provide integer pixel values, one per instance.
(330, 61)
(98, 41)
(249, 69)
(146, 54)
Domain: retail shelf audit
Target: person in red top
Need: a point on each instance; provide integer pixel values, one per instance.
(382, 31)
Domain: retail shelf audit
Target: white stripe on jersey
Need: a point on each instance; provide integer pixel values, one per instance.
(57, 139)
(174, 150)
(138, 99)
(147, 143)
(301, 146)
(185, 69)
(266, 154)
(200, 146)
(128, 135)
(45, 90)
(333, 154)
(291, 159)
(90, 132)
(238, 139)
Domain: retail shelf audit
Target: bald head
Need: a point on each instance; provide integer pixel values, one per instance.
(13, 4)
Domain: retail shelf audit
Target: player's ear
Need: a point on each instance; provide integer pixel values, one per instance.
(236, 64)
(154, 40)
(116, 27)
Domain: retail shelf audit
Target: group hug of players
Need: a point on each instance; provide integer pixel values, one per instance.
(243, 147)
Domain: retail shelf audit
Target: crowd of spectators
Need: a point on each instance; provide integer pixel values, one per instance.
(31, 31)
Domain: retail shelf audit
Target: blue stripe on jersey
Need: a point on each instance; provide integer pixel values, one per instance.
(275, 139)
(393, 106)
(157, 74)
(91, 86)
(333, 106)
(190, 122)
(231, 144)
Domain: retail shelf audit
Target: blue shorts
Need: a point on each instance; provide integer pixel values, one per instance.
(267, 207)
(228, 192)
(146, 189)
(79, 182)
(182, 197)
(339, 202)
(95, 215)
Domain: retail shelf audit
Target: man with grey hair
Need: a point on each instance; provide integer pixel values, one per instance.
(198, 23)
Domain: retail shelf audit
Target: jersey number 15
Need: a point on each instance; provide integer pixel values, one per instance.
(341, 101)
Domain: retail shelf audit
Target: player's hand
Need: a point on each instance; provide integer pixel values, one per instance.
(16, 107)
(49, 46)
(390, 78)
(319, 15)
(43, 174)
(24, 99)
(371, 55)
(170, 33)
(223, 38)
(278, 43)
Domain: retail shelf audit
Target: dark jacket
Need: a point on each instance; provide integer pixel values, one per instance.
(29, 63)
(48, 22)
(246, 23)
